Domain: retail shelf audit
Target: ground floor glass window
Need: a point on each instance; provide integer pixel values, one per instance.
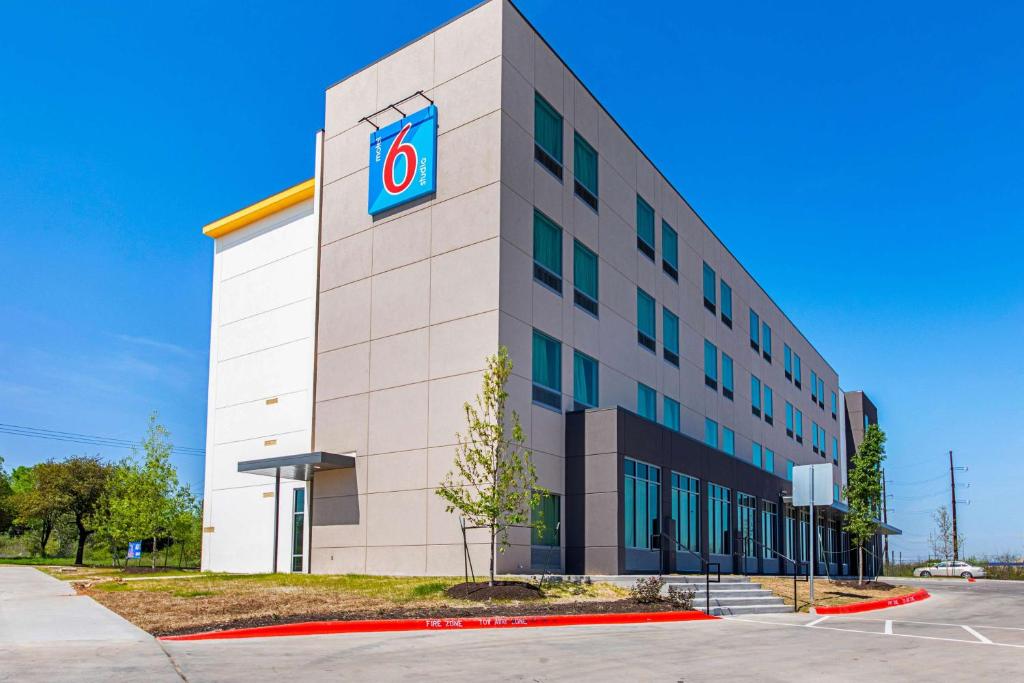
(718, 519)
(746, 519)
(685, 511)
(642, 493)
(769, 527)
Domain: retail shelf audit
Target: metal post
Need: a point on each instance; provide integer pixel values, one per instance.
(707, 590)
(277, 512)
(952, 488)
(813, 547)
(309, 520)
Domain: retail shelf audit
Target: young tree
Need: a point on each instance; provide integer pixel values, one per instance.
(941, 538)
(139, 498)
(80, 482)
(6, 509)
(493, 482)
(864, 492)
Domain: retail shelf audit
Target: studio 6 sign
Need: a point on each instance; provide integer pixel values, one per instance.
(403, 160)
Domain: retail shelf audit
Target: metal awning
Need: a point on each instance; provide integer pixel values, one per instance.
(842, 508)
(299, 467)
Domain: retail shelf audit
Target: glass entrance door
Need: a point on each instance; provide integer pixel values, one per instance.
(298, 524)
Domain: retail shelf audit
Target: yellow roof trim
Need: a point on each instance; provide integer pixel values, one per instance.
(250, 214)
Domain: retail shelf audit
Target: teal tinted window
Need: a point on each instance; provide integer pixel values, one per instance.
(584, 373)
(547, 128)
(726, 291)
(769, 460)
(641, 497)
(769, 402)
(789, 470)
(669, 245)
(670, 330)
(756, 453)
(645, 313)
(710, 432)
(547, 361)
(799, 421)
(670, 413)
(547, 243)
(644, 221)
(728, 441)
(796, 369)
(755, 393)
(585, 164)
(727, 372)
(646, 402)
(814, 384)
(709, 284)
(584, 270)
(686, 511)
(787, 360)
(789, 417)
(755, 328)
(834, 404)
(710, 361)
(835, 450)
(546, 515)
(766, 339)
(719, 541)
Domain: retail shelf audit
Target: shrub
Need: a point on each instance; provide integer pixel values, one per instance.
(681, 597)
(647, 589)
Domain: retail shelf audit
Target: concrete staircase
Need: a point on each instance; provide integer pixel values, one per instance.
(733, 596)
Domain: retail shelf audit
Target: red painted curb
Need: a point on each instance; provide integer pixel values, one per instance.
(972, 580)
(316, 628)
(874, 604)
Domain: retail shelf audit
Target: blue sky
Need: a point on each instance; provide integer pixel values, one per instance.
(863, 161)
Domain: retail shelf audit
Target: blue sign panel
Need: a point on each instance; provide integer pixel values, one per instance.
(134, 550)
(403, 160)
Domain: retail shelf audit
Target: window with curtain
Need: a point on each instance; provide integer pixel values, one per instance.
(584, 275)
(727, 376)
(547, 134)
(710, 364)
(641, 498)
(755, 453)
(685, 511)
(755, 396)
(709, 287)
(645, 320)
(547, 251)
(670, 413)
(644, 227)
(710, 432)
(669, 251)
(585, 171)
(769, 405)
(755, 330)
(547, 370)
(548, 511)
(584, 379)
(646, 402)
(726, 296)
(670, 332)
(728, 441)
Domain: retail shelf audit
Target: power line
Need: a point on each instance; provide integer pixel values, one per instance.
(86, 439)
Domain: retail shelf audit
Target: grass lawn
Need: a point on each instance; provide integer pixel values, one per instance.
(213, 601)
(827, 594)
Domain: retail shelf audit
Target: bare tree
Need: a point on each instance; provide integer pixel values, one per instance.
(940, 540)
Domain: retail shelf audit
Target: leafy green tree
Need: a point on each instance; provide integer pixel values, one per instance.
(79, 483)
(37, 500)
(187, 522)
(864, 492)
(6, 509)
(139, 499)
(493, 483)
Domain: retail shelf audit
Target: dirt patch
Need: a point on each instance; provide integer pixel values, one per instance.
(831, 593)
(867, 585)
(501, 590)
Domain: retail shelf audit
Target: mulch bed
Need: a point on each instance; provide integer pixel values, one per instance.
(441, 611)
(501, 590)
(872, 585)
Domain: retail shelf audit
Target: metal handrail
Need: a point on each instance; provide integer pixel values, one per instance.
(795, 563)
(705, 564)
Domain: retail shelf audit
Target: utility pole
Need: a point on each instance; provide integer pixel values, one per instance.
(952, 486)
(885, 518)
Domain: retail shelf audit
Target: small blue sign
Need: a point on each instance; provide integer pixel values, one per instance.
(403, 160)
(134, 550)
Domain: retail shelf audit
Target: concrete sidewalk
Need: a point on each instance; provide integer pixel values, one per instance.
(48, 633)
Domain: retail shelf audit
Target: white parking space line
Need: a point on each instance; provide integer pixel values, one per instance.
(816, 621)
(976, 634)
(888, 627)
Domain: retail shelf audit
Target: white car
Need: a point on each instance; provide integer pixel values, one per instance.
(961, 569)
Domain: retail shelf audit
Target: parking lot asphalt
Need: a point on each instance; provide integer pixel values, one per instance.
(963, 632)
